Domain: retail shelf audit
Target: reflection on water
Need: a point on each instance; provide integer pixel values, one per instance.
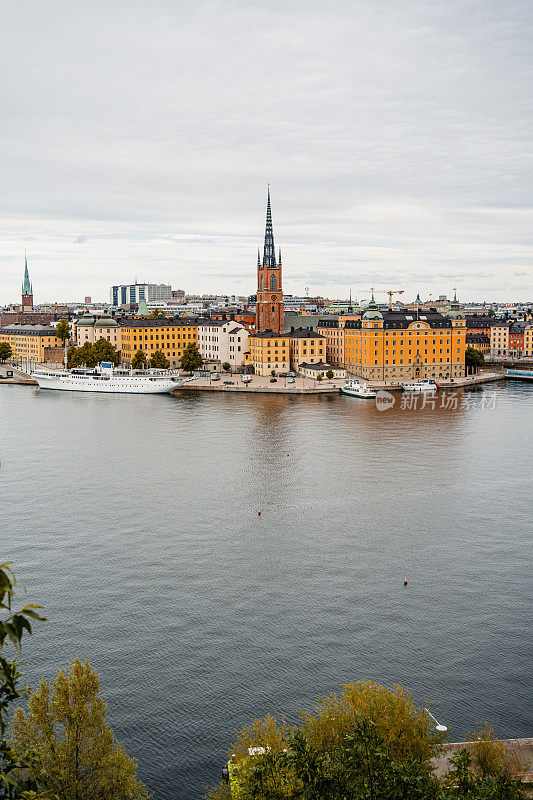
(134, 519)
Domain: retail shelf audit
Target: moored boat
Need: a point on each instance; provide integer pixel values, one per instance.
(356, 389)
(426, 385)
(106, 378)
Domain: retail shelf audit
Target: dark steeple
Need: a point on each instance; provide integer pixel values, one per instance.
(269, 253)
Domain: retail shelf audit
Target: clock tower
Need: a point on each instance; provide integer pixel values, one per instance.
(269, 313)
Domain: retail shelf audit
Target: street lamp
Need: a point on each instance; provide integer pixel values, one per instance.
(438, 726)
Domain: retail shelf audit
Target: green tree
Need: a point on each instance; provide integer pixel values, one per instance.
(319, 377)
(273, 373)
(12, 626)
(226, 366)
(474, 359)
(139, 360)
(105, 351)
(74, 754)
(191, 358)
(63, 330)
(82, 356)
(329, 374)
(158, 360)
(5, 351)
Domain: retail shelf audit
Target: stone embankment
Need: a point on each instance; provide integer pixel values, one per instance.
(259, 384)
(18, 376)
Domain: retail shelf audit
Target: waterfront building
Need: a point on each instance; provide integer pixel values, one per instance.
(332, 329)
(28, 342)
(405, 345)
(499, 337)
(223, 341)
(91, 328)
(528, 340)
(479, 323)
(269, 307)
(171, 336)
(306, 347)
(133, 293)
(270, 351)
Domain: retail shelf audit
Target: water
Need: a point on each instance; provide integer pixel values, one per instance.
(134, 521)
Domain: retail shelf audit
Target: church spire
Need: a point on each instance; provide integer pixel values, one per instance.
(27, 288)
(269, 253)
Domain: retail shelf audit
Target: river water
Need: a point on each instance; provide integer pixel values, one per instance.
(133, 519)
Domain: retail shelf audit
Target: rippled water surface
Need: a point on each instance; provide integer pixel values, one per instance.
(134, 520)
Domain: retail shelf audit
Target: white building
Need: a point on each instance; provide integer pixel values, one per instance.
(126, 294)
(222, 340)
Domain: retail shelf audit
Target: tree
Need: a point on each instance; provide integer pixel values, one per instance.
(139, 360)
(5, 351)
(158, 360)
(492, 313)
(226, 366)
(74, 754)
(474, 359)
(63, 331)
(368, 743)
(273, 373)
(12, 627)
(105, 351)
(319, 377)
(191, 358)
(82, 356)
(329, 374)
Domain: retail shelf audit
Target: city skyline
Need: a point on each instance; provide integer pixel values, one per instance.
(395, 139)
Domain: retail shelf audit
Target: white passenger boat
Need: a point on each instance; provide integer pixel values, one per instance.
(356, 389)
(106, 378)
(420, 386)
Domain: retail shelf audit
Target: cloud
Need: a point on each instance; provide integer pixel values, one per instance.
(396, 138)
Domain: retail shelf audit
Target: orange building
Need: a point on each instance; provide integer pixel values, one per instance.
(403, 345)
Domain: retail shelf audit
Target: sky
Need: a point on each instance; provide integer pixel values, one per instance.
(137, 140)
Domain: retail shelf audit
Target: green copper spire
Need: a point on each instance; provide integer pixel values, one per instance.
(142, 310)
(26, 286)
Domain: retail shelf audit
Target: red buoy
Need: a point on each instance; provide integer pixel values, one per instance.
(405, 581)
(258, 513)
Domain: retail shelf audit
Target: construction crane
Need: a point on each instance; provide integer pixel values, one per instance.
(390, 292)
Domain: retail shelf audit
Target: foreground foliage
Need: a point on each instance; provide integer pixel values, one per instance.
(13, 624)
(73, 752)
(89, 355)
(5, 351)
(191, 358)
(368, 743)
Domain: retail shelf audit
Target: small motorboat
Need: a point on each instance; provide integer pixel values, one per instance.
(421, 386)
(356, 389)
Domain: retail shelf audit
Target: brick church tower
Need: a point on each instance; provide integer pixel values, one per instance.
(269, 313)
(27, 289)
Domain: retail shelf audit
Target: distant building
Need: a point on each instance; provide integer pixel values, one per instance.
(133, 293)
(28, 342)
(90, 328)
(87, 300)
(171, 336)
(178, 295)
(406, 345)
(223, 341)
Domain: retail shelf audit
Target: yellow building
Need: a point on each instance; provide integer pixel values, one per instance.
(28, 342)
(528, 340)
(171, 336)
(332, 330)
(478, 341)
(283, 352)
(403, 345)
(269, 351)
(306, 346)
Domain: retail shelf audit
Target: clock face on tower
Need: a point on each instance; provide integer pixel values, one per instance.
(273, 297)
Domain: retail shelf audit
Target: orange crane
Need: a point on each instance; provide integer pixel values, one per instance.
(390, 292)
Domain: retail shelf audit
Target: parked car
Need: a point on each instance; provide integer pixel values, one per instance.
(215, 377)
(229, 383)
(290, 380)
(291, 374)
(273, 380)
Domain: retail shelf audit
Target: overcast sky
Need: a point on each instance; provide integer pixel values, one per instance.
(137, 139)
